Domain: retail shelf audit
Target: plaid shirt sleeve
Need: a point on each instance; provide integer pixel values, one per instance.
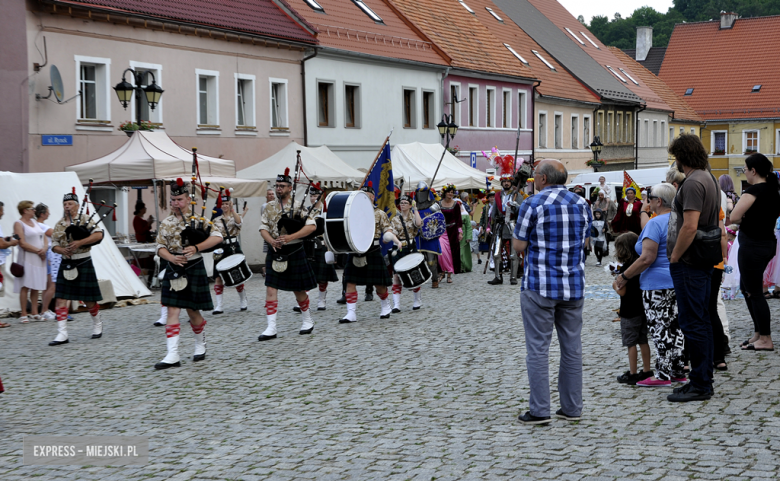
(525, 220)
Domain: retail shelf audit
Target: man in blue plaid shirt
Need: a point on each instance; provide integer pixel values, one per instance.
(553, 228)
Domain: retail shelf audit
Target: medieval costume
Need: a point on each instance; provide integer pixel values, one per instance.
(465, 242)
(228, 222)
(627, 218)
(406, 227)
(428, 238)
(503, 215)
(449, 261)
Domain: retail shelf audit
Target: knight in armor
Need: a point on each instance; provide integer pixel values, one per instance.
(425, 202)
(323, 272)
(369, 268)
(229, 224)
(406, 225)
(185, 283)
(284, 224)
(76, 280)
(503, 224)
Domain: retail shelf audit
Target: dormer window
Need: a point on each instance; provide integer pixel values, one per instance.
(688, 91)
(466, 7)
(629, 77)
(549, 65)
(617, 74)
(495, 15)
(315, 6)
(515, 54)
(756, 88)
(574, 36)
(589, 40)
(366, 10)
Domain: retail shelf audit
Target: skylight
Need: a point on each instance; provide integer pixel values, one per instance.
(617, 74)
(629, 77)
(366, 10)
(314, 5)
(466, 7)
(575, 37)
(495, 15)
(688, 91)
(549, 65)
(589, 40)
(756, 88)
(515, 53)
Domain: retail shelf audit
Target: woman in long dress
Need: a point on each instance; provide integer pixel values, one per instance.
(465, 243)
(32, 252)
(449, 260)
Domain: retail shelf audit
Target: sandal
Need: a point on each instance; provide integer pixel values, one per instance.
(4, 324)
(767, 295)
(449, 279)
(724, 367)
(24, 320)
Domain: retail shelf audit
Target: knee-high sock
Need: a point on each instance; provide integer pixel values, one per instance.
(62, 324)
(397, 288)
(270, 313)
(351, 306)
(218, 290)
(200, 337)
(97, 322)
(306, 313)
(172, 339)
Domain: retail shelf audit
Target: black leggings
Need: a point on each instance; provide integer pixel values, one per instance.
(753, 257)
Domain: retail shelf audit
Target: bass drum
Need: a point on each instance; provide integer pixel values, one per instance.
(412, 270)
(349, 222)
(234, 270)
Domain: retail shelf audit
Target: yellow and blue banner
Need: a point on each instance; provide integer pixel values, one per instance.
(381, 178)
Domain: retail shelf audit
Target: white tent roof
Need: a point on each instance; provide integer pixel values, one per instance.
(319, 164)
(49, 189)
(415, 162)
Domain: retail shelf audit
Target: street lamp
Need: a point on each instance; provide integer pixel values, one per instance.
(447, 129)
(596, 148)
(124, 91)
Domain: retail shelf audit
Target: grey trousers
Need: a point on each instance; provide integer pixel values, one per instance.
(540, 315)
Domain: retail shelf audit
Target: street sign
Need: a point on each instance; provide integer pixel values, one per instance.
(473, 160)
(56, 140)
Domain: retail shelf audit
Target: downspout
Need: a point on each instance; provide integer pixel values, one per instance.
(303, 87)
(636, 137)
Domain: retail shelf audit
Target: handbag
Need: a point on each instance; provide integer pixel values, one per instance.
(17, 270)
(705, 250)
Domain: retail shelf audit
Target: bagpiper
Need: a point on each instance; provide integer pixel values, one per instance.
(406, 225)
(229, 224)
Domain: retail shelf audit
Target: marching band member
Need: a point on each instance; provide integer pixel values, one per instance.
(76, 280)
(502, 230)
(323, 271)
(283, 226)
(229, 224)
(185, 284)
(425, 201)
(406, 225)
(369, 268)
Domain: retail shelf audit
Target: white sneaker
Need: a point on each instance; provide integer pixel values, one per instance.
(598, 264)
(49, 316)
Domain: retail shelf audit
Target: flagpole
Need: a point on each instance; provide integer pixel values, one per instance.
(381, 149)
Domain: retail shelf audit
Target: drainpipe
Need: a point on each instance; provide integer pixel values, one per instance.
(636, 138)
(533, 123)
(303, 87)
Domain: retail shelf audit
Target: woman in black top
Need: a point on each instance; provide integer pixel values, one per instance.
(757, 212)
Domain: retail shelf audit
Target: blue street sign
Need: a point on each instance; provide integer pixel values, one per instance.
(473, 160)
(56, 140)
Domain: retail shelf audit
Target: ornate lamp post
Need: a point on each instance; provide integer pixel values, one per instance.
(595, 147)
(124, 90)
(447, 129)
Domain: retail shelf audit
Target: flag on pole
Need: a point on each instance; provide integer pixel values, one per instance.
(629, 182)
(381, 177)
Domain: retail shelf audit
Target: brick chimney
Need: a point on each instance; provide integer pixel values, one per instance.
(727, 19)
(644, 40)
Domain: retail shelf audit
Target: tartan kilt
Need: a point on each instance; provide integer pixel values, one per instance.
(323, 271)
(83, 288)
(299, 275)
(374, 273)
(196, 296)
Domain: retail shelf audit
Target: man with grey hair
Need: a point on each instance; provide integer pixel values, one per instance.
(553, 227)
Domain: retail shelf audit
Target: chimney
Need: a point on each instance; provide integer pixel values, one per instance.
(727, 19)
(644, 40)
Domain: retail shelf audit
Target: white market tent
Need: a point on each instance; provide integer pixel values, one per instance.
(49, 189)
(415, 162)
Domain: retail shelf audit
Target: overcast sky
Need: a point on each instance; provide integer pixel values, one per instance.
(608, 8)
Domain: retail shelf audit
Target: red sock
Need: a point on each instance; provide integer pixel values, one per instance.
(351, 297)
(94, 310)
(198, 329)
(304, 305)
(396, 289)
(219, 289)
(270, 307)
(240, 288)
(416, 289)
(62, 313)
(382, 296)
(323, 286)
(172, 330)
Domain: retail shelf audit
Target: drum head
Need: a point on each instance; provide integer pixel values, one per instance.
(408, 261)
(230, 262)
(360, 221)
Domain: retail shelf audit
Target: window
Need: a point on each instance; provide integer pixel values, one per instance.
(279, 104)
(616, 74)
(549, 65)
(466, 7)
(693, 131)
(629, 77)
(558, 131)
(586, 131)
(506, 111)
(315, 6)
(495, 15)
(654, 142)
(663, 132)
(409, 111)
(619, 136)
(352, 106)
(629, 128)
(542, 130)
(671, 134)
(373, 16)
(688, 91)
(589, 40)
(517, 55)
(429, 107)
(600, 126)
(208, 100)
(575, 130)
(245, 100)
(575, 37)
(473, 107)
(156, 71)
(490, 107)
(93, 79)
(454, 105)
(682, 130)
(646, 135)
(522, 110)
(610, 126)
(750, 140)
(324, 104)
(756, 88)
(719, 142)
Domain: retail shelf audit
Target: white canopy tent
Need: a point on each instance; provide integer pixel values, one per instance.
(49, 188)
(415, 162)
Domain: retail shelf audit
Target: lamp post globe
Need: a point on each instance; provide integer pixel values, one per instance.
(153, 93)
(124, 90)
(442, 126)
(452, 128)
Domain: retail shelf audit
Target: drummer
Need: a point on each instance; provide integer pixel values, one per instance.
(369, 268)
(286, 267)
(229, 224)
(406, 225)
(323, 271)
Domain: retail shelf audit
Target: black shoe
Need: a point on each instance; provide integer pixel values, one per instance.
(198, 357)
(642, 375)
(263, 337)
(158, 323)
(479, 261)
(688, 393)
(627, 378)
(165, 365)
(561, 415)
(529, 418)
(513, 281)
(342, 300)
(97, 336)
(57, 343)
(320, 308)
(369, 297)
(217, 312)
(345, 321)
(297, 309)
(243, 309)
(496, 281)
(386, 316)
(396, 310)
(416, 308)
(306, 331)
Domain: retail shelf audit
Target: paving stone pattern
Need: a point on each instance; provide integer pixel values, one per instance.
(429, 394)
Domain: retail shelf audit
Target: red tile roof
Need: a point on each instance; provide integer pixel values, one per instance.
(344, 26)
(722, 66)
(258, 17)
(682, 111)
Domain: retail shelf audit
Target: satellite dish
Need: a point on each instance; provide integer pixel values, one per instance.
(56, 83)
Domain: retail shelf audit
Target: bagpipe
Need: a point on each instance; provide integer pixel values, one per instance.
(294, 220)
(199, 228)
(78, 230)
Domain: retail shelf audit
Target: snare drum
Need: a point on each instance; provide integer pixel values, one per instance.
(234, 270)
(349, 222)
(412, 270)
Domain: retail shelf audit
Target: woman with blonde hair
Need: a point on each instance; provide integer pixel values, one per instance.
(31, 253)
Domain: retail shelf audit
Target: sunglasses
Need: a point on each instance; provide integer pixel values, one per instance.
(651, 197)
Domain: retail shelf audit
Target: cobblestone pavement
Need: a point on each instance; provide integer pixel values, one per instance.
(429, 394)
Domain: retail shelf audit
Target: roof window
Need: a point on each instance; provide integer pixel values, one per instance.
(629, 77)
(688, 91)
(549, 65)
(617, 74)
(366, 10)
(315, 6)
(589, 40)
(466, 7)
(495, 15)
(575, 37)
(515, 54)
(756, 88)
